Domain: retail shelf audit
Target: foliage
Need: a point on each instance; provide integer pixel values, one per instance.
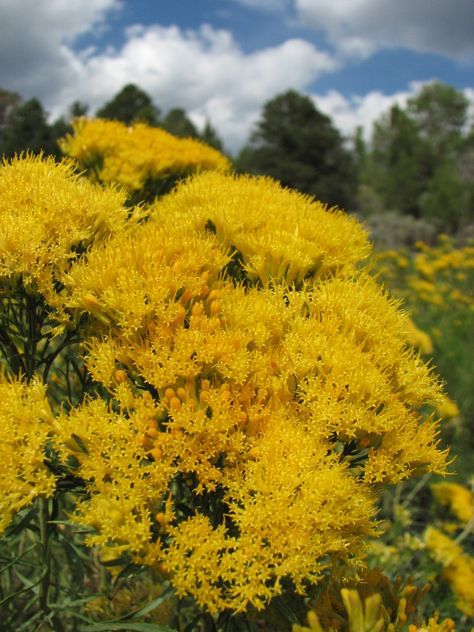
(8, 100)
(440, 113)
(26, 128)
(446, 198)
(398, 169)
(428, 536)
(228, 389)
(210, 137)
(429, 527)
(177, 123)
(418, 160)
(298, 145)
(130, 105)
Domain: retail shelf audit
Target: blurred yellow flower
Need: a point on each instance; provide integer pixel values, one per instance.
(456, 497)
(447, 408)
(130, 156)
(418, 338)
(458, 567)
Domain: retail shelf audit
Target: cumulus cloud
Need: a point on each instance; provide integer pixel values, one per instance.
(360, 27)
(354, 111)
(204, 70)
(36, 39)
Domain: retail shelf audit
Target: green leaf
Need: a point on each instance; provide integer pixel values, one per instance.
(18, 527)
(152, 605)
(17, 559)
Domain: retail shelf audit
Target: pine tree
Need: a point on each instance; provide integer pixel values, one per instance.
(129, 105)
(298, 145)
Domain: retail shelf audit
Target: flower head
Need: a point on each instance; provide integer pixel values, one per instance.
(25, 427)
(132, 155)
(47, 215)
(280, 235)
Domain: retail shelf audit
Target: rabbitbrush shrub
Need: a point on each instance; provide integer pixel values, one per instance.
(210, 389)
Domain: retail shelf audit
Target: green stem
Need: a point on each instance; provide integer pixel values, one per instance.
(31, 336)
(45, 581)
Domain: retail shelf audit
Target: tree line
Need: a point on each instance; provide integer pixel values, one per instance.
(418, 164)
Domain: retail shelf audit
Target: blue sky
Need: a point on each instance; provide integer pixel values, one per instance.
(222, 59)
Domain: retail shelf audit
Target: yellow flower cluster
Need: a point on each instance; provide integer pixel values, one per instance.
(377, 605)
(261, 385)
(418, 338)
(276, 235)
(133, 155)
(457, 498)
(258, 382)
(107, 453)
(458, 567)
(47, 214)
(439, 275)
(25, 426)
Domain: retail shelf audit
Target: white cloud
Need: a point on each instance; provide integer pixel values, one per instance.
(348, 113)
(359, 27)
(35, 40)
(203, 70)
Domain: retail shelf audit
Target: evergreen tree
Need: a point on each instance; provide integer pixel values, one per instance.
(129, 105)
(447, 198)
(26, 129)
(78, 108)
(418, 162)
(210, 137)
(440, 112)
(176, 122)
(8, 100)
(398, 170)
(298, 145)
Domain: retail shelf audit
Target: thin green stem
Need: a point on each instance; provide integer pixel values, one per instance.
(466, 531)
(45, 581)
(420, 484)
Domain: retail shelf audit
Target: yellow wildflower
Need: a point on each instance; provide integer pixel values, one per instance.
(282, 404)
(418, 338)
(287, 520)
(458, 567)
(47, 214)
(25, 427)
(433, 625)
(281, 235)
(130, 156)
(108, 454)
(447, 408)
(456, 497)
